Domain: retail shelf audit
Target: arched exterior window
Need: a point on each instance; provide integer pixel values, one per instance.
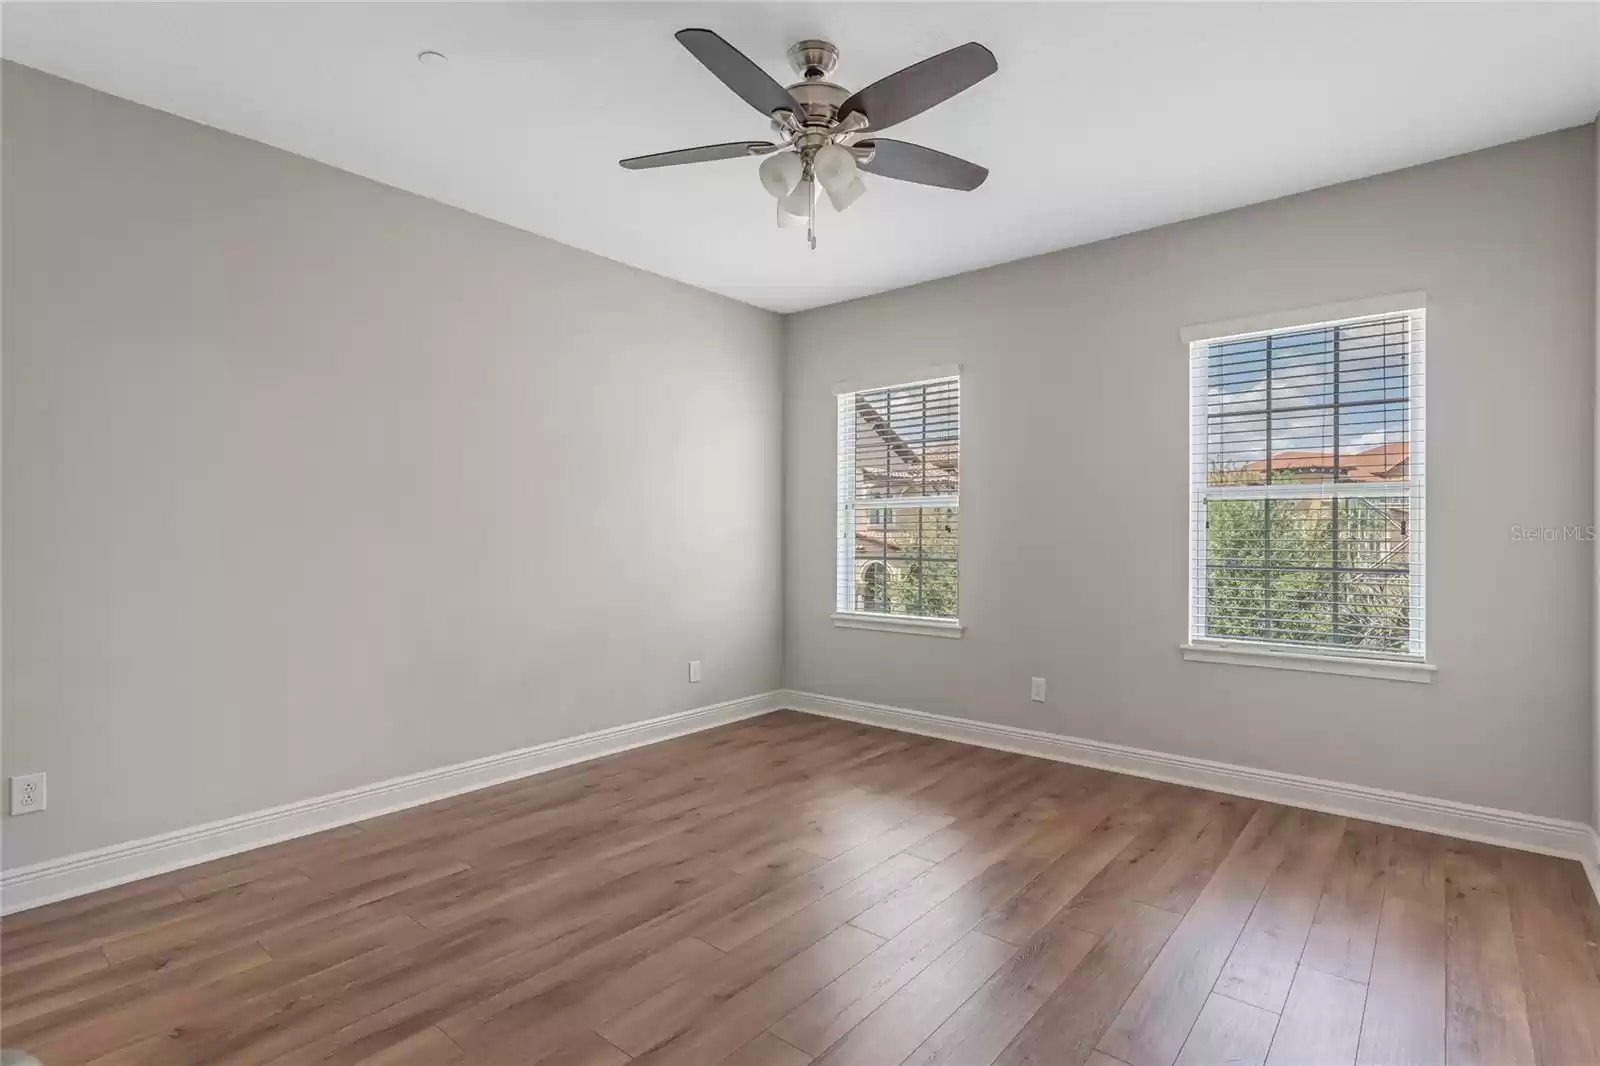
(874, 582)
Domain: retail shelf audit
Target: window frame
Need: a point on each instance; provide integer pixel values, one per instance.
(1410, 665)
(847, 573)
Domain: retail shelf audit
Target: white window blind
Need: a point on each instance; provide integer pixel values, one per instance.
(1306, 484)
(899, 500)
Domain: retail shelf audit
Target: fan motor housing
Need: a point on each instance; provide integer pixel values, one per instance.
(820, 99)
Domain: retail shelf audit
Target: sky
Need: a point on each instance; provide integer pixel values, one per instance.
(1351, 382)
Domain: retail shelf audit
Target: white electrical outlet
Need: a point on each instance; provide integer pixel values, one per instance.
(27, 793)
(1037, 692)
(694, 670)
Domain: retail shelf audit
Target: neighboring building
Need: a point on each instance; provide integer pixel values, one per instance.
(1383, 462)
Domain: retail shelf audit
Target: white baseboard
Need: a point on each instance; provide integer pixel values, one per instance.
(88, 871)
(1592, 864)
(1525, 832)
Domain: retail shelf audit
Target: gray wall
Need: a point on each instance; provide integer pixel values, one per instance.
(309, 482)
(1074, 501)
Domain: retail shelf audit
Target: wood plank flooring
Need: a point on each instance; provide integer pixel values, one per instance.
(794, 890)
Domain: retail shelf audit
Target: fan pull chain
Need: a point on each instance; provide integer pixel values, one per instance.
(811, 221)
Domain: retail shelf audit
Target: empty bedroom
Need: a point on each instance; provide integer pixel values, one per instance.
(753, 534)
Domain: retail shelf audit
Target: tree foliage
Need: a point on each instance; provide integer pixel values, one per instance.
(922, 569)
(1309, 570)
(929, 586)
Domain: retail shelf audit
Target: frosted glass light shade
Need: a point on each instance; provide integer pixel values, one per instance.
(835, 169)
(780, 173)
(848, 194)
(798, 202)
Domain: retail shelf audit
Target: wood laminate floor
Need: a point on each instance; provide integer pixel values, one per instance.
(793, 889)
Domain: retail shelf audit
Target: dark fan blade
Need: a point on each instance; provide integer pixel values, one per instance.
(913, 90)
(704, 154)
(738, 72)
(912, 162)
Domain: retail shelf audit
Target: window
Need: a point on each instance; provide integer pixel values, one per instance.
(899, 498)
(1307, 489)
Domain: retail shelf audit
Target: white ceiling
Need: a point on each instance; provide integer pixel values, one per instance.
(1104, 118)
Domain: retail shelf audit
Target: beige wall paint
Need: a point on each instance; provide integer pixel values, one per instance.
(1074, 501)
(310, 482)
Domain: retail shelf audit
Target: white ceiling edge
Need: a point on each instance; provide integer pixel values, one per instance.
(1104, 119)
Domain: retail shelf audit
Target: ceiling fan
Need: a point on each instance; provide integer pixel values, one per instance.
(827, 133)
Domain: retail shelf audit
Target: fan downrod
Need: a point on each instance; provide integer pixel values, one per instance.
(819, 98)
(812, 59)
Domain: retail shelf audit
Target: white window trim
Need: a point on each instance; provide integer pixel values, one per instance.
(844, 503)
(1241, 653)
(1305, 317)
(899, 623)
(1200, 648)
(905, 380)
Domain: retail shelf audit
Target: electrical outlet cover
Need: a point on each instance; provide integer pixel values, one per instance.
(1036, 693)
(27, 793)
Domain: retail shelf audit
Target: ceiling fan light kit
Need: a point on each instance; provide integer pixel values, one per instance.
(827, 134)
(835, 169)
(780, 173)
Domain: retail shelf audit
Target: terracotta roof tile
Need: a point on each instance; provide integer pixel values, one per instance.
(1377, 463)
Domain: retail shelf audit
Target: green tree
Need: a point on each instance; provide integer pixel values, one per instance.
(1309, 570)
(925, 581)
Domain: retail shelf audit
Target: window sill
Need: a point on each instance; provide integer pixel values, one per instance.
(1273, 659)
(884, 623)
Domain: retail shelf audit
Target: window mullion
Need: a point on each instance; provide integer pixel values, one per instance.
(903, 503)
(1266, 508)
(846, 490)
(1334, 504)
